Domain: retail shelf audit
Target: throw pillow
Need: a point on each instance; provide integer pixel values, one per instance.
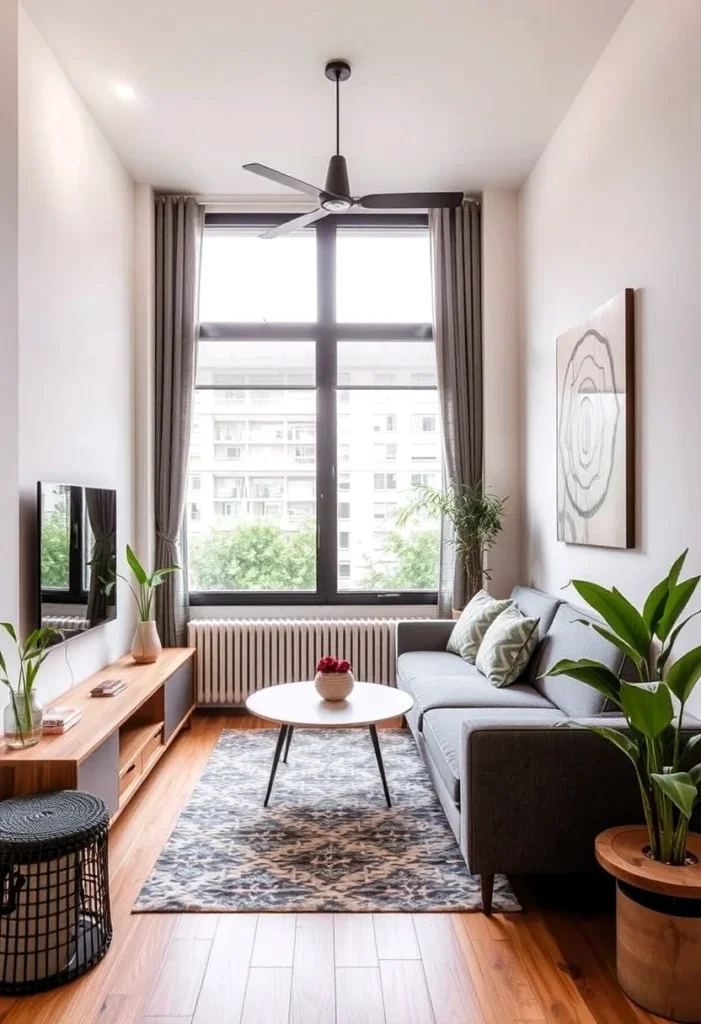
(472, 625)
(507, 647)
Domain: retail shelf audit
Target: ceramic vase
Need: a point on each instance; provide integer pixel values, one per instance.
(146, 645)
(334, 685)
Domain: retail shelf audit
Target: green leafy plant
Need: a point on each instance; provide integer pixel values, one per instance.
(477, 521)
(30, 656)
(145, 584)
(653, 741)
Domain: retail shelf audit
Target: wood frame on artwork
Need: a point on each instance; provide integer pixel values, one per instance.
(595, 428)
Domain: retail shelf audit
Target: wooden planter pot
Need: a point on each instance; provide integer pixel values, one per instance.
(658, 924)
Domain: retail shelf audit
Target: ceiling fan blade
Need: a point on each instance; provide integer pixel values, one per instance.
(410, 200)
(294, 225)
(283, 179)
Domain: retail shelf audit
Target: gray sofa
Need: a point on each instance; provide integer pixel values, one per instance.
(520, 795)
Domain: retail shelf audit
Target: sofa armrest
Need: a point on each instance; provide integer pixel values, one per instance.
(534, 797)
(423, 635)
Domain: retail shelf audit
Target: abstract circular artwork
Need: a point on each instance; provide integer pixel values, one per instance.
(594, 435)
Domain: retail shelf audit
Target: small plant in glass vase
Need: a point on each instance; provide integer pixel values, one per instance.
(146, 646)
(23, 715)
(334, 678)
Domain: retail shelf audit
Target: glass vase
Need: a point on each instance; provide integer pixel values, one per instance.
(23, 719)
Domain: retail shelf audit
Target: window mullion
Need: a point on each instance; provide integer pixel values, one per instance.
(326, 411)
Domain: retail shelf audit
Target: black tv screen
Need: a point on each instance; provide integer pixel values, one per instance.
(77, 530)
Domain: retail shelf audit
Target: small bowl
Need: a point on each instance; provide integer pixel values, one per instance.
(334, 686)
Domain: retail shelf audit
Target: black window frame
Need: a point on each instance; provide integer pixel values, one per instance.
(326, 332)
(76, 594)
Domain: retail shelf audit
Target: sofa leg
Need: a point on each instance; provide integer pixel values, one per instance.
(487, 892)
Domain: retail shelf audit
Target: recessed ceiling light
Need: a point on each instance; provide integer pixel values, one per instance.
(124, 92)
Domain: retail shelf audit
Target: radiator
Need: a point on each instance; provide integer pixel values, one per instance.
(235, 657)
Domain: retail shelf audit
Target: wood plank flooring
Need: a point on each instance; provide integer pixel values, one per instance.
(552, 963)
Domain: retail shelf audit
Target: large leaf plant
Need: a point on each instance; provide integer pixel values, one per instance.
(146, 584)
(653, 706)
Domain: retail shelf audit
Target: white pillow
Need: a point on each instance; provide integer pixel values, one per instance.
(507, 647)
(472, 625)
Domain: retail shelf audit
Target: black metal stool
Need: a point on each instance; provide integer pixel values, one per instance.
(55, 920)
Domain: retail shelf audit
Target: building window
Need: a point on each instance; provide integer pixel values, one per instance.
(385, 453)
(423, 424)
(424, 479)
(385, 481)
(313, 374)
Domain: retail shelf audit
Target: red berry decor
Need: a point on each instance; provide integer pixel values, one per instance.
(327, 665)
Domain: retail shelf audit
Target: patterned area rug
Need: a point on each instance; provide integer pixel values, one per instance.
(326, 842)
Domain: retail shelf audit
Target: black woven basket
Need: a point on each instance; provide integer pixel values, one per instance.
(55, 919)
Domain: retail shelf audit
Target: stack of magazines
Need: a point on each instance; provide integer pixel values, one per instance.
(108, 688)
(60, 720)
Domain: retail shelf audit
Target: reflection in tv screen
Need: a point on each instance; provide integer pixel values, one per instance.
(77, 557)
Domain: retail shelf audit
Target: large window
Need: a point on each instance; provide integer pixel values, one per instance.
(316, 413)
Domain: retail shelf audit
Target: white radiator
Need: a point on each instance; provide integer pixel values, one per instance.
(237, 656)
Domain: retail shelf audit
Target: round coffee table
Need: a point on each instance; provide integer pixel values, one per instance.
(298, 705)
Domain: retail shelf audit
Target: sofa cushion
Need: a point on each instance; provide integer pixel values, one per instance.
(475, 619)
(507, 647)
(441, 680)
(569, 639)
(442, 732)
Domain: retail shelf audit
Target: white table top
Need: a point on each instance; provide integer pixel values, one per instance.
(299, 704)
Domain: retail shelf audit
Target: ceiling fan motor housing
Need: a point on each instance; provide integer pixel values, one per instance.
(337, 183)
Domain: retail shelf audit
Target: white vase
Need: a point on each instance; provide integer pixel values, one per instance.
(146, 645)
(334, 685)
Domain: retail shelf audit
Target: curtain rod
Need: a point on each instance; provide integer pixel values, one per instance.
(267, 203)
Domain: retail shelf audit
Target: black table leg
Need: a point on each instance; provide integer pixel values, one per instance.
(380, 765)
(290, 730)
(276, 760)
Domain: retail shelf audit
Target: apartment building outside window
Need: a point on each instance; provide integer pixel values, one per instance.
(316, 399)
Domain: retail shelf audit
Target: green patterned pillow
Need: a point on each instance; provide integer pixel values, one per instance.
(507, 647)
(472, 625)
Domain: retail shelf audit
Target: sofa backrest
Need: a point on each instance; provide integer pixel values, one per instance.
(567, 638)
(535, 604)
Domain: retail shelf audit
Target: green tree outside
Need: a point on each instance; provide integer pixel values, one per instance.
(262, 556)
(55, 553)
(254, 556)
(414, 559)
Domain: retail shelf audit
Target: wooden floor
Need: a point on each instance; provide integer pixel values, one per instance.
(550, 963)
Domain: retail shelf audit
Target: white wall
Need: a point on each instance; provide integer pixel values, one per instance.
(8, 312)
(501, 378)
(615, 202)
(76, 364)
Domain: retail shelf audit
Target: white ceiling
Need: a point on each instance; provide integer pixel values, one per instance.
(445, 94)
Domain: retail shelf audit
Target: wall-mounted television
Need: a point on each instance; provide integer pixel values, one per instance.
(77, 532)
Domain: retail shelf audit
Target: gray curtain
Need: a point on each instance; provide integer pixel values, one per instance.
(456, 256)
(179, 228)
(102, 513)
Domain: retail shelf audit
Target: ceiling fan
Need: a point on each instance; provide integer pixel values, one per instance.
(335, 196)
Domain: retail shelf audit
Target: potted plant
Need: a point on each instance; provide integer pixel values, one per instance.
(334, 679)
(23, 716)
(146, 645)
(657, 867)
(476, 517)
